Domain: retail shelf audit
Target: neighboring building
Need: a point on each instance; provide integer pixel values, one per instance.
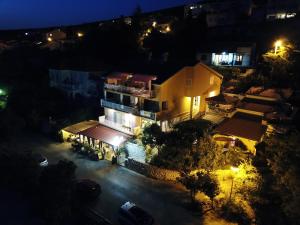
(77, 83)
(220, 12)
(279, 10)
(132, 100)
(251, 115)
(56, 35)
(241, 127)
(227, 54)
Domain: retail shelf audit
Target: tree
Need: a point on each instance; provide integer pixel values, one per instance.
(202, 182)
(56, 184)
(152, 135)
(191, 182)
(209, 186)
(277, 63)
(280, 171)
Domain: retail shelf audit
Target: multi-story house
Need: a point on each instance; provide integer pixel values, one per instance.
(132, 100)
(77, 83)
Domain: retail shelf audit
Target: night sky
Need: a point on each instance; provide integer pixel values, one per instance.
(42, 13)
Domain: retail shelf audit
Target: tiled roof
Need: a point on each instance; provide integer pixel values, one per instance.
(106, 134)
(242, 125)
(78, 127)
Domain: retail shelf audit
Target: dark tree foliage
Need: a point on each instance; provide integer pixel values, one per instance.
(152, 135)
(56, 184)
(278, 163)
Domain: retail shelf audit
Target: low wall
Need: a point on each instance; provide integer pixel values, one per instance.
(151, 171)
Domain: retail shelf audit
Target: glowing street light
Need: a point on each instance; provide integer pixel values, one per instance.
(49, 39)
(79, 34)
(277, 45)
(154, 24)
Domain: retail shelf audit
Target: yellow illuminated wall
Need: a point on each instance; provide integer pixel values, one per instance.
(250, 144)
(181, 89)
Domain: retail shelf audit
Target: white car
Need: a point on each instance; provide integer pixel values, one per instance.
(130, 214)
(42, 160)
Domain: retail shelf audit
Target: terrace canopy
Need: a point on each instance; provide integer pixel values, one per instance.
(106, 135)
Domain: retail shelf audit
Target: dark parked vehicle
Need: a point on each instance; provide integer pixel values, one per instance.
(41, 160)
(86, 189)
(130, 214)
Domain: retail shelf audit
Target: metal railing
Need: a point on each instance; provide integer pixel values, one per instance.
(130, 90)
(116, 126)
(119, 107)
(147, 114)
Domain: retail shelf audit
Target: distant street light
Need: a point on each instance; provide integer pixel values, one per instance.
(277, 45)
(49, 39)
(79, 34)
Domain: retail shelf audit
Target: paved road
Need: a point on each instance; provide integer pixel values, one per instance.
(165, 201)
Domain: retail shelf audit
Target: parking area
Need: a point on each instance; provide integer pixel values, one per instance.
(164, 201)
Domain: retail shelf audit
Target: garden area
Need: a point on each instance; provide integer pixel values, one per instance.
(227, 186)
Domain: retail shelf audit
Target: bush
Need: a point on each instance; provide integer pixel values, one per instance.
(234, 213)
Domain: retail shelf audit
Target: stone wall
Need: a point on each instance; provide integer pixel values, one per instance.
(151, 171)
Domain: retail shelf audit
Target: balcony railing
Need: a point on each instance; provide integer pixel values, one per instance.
(147, 114)
(117, 126)
(131, 90)
(119, 107)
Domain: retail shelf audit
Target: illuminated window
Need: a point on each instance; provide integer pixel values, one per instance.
(197, 101)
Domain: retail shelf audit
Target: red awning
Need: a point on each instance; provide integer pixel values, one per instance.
(106, 134)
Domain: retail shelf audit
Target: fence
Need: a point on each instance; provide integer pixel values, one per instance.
(151, 171)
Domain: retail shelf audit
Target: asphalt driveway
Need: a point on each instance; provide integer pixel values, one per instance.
(163, 200)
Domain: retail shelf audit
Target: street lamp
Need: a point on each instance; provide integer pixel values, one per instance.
(234, 170)
(277, 45)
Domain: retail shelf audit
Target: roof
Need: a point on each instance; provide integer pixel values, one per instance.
(224, 46)
(243, 125)
(222, 98)
(163, 71)
(257, 105)
(78, 127)
(105, 134)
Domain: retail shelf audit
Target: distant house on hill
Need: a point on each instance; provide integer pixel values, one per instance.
(229, 54)
(77, 83)
(56, 35)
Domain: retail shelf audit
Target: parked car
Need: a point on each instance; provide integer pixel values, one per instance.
(130, 214)
(41, 160)
(86, 189)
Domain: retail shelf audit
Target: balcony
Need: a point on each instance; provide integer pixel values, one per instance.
(119, 107)
(147, 114)
(117, 126)
(130, 90)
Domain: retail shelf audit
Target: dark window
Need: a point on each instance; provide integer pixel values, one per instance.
(126, 100)
(151, 106)
(203, 57)
(164, 105)
(113, 97)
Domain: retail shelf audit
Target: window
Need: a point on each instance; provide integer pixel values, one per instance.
(188, 82)
(164, 105)
(197, 101)
(203, 57)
